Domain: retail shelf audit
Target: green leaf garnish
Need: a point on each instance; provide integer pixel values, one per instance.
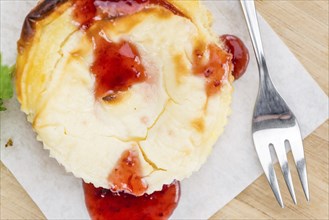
(6, 84)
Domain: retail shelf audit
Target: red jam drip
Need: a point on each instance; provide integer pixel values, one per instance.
(116, 66)
(127, 174)
(214, 69)
(86, 11)
(240, 54)
(119, 8)
(103, 204)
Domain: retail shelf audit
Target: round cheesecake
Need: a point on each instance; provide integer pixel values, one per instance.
(128, 95)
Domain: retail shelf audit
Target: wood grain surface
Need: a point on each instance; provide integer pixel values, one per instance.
(303, 26)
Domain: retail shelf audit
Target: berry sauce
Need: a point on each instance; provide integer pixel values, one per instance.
(127, 174)
(214, 69)
(86, 11)
(116, 66)
(103, 204)
(240, 54)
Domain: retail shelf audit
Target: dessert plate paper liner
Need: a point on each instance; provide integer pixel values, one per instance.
(231, 167)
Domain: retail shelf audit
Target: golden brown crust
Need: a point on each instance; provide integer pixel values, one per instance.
(43, 9)
(46, 7)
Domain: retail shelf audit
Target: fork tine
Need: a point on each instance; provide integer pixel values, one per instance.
(271, 177)
(265, 159)
(283, 161)
(296, 145)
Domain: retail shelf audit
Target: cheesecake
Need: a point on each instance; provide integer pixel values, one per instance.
(128, 95)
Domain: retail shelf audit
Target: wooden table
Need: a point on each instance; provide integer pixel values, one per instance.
(303, 26)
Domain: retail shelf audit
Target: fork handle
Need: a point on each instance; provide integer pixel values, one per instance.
(249, 10)
(271, 100)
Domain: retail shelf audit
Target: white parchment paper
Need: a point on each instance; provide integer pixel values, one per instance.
(232, 166)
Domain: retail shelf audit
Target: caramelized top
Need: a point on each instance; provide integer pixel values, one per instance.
(42, 10)
(86, 11)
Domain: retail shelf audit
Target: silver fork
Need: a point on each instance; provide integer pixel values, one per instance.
(273, 123)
